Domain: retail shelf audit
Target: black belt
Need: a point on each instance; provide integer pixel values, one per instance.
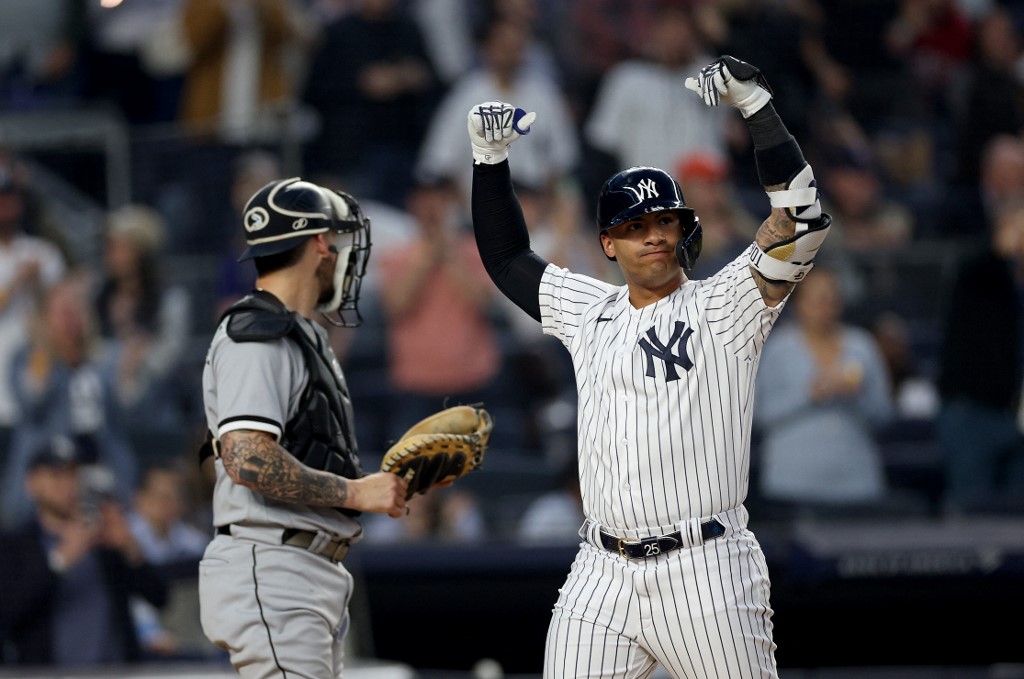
(335, 550)
(659, 544)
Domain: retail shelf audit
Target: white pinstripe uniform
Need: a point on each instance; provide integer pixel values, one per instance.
(665, 400)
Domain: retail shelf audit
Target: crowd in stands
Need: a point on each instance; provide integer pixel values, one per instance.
(911, 111)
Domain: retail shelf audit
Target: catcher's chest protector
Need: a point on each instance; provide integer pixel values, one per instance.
(320, 434)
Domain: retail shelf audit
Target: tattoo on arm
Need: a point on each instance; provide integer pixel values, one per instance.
(775, 229)
(255, 460)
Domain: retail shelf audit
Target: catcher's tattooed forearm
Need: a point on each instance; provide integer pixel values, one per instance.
(256, 461)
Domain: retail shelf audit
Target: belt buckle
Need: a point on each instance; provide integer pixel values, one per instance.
(622, 544)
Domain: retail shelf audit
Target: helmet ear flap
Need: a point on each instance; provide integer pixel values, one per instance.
(689, 246)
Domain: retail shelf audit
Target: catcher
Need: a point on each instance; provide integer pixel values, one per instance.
(290, 491)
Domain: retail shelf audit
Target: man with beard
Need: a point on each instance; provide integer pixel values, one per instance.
(289, 487)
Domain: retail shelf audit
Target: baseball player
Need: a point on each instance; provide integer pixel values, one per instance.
(668, 572)
(289, 488)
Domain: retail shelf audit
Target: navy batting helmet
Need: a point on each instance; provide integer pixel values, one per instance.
(640, 190)
(284, 211)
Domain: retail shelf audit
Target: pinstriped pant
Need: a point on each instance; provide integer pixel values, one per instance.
(701, 612)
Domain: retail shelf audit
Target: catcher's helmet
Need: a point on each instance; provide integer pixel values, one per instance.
(640, 190)
(284, 211)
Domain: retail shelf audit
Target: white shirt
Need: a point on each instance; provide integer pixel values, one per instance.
(644, 115)
(16, 316)
(553, 148)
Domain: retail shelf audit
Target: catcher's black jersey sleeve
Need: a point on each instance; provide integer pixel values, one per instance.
(503, 239)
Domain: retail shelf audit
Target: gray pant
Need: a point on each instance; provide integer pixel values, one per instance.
(277, 609)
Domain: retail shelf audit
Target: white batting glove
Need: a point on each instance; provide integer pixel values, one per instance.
(733, 81)
(493, 126)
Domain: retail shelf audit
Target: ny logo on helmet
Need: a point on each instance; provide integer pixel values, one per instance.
(300, 223)
(256, 219)
(656, 349)
(644, 190)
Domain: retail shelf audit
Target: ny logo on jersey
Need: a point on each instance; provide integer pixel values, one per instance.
(655, 349)
(644, 190)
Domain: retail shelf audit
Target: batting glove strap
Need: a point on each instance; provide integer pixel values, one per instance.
(493, 126)
(733, 81)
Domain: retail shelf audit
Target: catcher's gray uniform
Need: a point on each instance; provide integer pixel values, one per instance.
(274, 606)
(289, 485)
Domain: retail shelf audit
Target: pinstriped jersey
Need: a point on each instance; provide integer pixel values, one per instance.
(665, 393)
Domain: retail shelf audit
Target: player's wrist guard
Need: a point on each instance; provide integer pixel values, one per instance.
(793, 258)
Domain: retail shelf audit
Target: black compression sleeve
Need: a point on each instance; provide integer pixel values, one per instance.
(503, 239)
(776, 152)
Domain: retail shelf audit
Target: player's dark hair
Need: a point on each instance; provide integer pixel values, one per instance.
(282, 260)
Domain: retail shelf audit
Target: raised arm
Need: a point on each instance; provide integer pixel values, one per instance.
(788, 240)
(498, 224)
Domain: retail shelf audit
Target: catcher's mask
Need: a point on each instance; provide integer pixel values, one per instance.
(283, 213)
(640, 190)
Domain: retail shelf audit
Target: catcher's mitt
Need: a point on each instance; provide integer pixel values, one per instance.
(440, 448)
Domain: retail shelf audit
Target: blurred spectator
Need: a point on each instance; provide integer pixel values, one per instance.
(865, 219)
(502, 76)
(145, 324)
(933, 37)
(136, 58)
(238, 87)
(171, 545)
(992, 100)
(28, 266)
(158, 520)
(69, 570)
(40, 53)
(374, 88)
(62, 389)
(727, 225)
(970, 211)
(442, 515)
(981, 371)
(554, 517)
(914, 393)
(542, 21)
(447, 36)
(822, 393)
(598, 35)
(788, 40)
(250, 172)
(635, 118)
(441, 339)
